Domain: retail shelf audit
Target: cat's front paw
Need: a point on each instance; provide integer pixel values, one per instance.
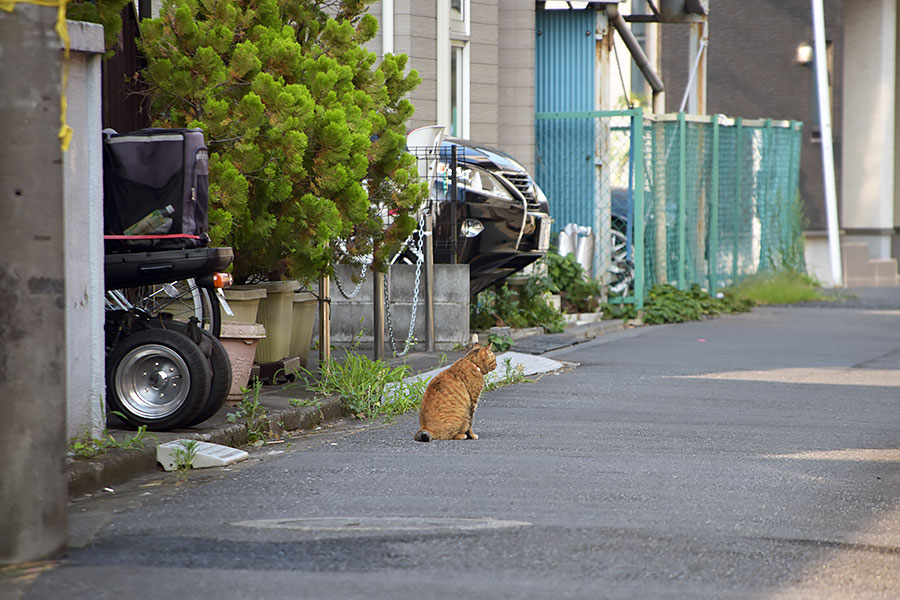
(473, 435)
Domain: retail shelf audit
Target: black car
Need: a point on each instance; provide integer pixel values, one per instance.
(498, 221)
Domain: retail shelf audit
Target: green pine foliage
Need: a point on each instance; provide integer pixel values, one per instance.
(306, 133)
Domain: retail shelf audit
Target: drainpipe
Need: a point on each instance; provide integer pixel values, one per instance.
(831, 212)
(387, 27)
(640, 59)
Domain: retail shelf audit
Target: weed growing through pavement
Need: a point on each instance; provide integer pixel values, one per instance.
(184, 457)
(500, 343)
(367, 388)
(305, 402)
(511, 374)
(87, 446)
(252, 412)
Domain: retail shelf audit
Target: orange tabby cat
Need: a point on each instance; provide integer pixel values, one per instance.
(450, 399)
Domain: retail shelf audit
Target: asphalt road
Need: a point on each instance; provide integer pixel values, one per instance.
(751, 456)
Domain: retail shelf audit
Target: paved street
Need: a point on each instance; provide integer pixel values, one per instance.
(750, 456)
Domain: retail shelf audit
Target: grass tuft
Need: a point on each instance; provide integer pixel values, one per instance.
(784, 287)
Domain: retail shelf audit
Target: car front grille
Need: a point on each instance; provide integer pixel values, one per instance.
(523, 183)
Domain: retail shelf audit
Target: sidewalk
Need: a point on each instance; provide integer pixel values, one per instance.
(87, 475)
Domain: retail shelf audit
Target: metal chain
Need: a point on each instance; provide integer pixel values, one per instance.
(420, 258)
(362, 278)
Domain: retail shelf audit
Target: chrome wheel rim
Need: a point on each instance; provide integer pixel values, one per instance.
(152, 381)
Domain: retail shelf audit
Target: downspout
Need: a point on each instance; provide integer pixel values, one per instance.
(640, 59)
(831, 209)
(387, 27)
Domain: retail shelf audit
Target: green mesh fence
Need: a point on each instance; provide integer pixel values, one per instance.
(705, 200)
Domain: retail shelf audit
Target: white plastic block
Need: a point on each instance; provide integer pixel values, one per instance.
(208, 454)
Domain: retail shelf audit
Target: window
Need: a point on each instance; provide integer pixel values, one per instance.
(457, 10)
(453, 66)
(457, 116)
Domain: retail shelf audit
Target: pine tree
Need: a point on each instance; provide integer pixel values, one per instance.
(306, 133)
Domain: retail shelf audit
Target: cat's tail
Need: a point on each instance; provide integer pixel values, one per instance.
(422, 436)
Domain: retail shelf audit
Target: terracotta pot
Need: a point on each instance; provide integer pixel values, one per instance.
(240, 341)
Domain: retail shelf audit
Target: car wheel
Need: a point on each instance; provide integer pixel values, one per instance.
(158, 378)
(219, 362)
(621, 269)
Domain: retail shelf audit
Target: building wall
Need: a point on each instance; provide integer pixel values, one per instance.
(501, 68)
(515, 90)
(753, 72)
(867, 213)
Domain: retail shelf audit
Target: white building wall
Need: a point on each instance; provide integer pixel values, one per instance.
(868, 128)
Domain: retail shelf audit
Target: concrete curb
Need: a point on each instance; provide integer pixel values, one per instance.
(87, 475)
(113, 468)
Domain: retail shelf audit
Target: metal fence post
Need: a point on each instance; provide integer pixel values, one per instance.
(682, 198)
(714, 212)
(637, 143)
(454, 200)
(378, 314)
(764, 200)
(429, 284)
(324, 322)
(738, 189)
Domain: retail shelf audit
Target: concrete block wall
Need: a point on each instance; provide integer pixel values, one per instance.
(860, 270)
(351, 319)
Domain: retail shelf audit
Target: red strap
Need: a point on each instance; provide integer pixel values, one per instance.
(168, 236)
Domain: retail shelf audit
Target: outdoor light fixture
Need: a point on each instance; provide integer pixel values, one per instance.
(804, 53)
(556, 5)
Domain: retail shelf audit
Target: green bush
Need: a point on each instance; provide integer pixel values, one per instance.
(579, 293)
(668, 304)
(306, 133)
(502, 307)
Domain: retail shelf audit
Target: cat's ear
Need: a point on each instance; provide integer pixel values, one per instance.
(490, 346)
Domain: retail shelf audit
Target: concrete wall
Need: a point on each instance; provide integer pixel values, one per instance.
(83, 199)
(33, 494)
(351, 320)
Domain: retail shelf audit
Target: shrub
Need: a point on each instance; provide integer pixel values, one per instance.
(306, 133)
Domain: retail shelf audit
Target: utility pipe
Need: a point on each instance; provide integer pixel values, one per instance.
(834, 244)
(687, 90)
(387, 27)
(640, 59)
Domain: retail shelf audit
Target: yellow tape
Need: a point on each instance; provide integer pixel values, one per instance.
(65, 132)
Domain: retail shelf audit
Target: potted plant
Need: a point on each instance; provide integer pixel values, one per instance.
(306, 133)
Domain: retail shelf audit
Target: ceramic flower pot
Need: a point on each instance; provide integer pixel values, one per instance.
(276, 313)
(305, 307)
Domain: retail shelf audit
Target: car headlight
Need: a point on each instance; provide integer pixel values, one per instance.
(471, 227)
(540, 196)
(482, 182)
